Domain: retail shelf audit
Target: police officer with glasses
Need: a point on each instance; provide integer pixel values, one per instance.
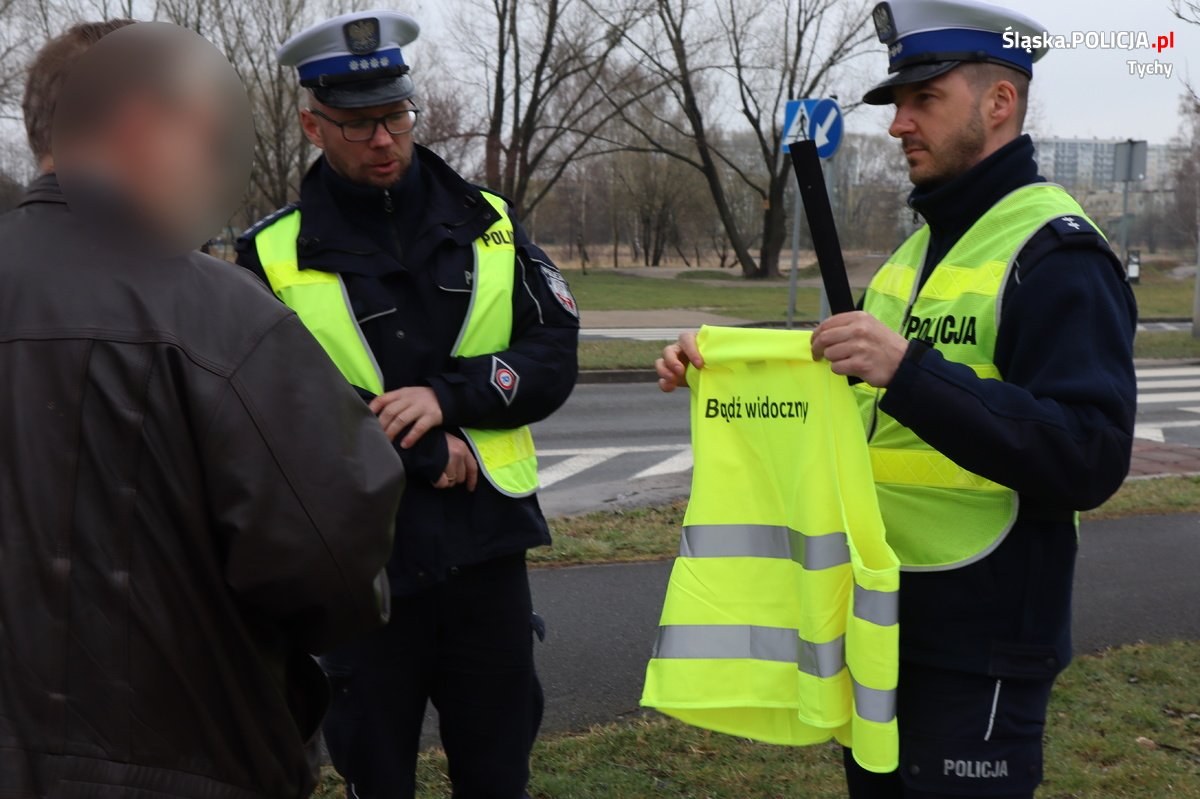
(460, 333)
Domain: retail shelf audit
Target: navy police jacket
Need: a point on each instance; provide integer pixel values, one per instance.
(406, 257)
(1058, 430)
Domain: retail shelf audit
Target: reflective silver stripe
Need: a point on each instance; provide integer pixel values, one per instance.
(735, 541)
(777, 644)
(764, 541)
(726, 641)
(877, 607)
(824, 551)
(873, 704)
(823, 660)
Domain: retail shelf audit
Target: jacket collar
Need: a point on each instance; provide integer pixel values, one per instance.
(43, 189)
(338, 217)
(954, 206)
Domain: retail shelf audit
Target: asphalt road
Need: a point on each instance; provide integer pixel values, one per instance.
(1136, 581)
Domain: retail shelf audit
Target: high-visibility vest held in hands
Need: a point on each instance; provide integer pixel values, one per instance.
(507, 457)
(780, 620)
(938, 514)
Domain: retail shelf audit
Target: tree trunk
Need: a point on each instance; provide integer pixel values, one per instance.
(774, 229)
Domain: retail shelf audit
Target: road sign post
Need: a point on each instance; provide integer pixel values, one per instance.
(819, 121)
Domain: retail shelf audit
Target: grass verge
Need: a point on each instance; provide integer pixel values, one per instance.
(756, 301)
(1161, 297)
(613, 536)
(619, 354)
(1124, 724)
(1160, 495)
(1166, 344)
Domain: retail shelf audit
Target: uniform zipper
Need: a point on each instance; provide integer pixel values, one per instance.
(389, 208)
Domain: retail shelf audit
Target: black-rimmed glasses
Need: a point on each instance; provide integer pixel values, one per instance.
(363, 129)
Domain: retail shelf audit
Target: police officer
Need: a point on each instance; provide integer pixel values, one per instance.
(460, 332)
(994, 354)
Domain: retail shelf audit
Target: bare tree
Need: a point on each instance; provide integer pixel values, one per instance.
(548, 63)
(14, 46)
(1186, 10)
(446, 119)
(740, 60)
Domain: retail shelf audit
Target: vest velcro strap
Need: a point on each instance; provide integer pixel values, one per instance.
(925, 468)
(764, 541)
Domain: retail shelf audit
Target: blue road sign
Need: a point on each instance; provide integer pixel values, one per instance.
(816, 119)
(826, 127)
(795, 121)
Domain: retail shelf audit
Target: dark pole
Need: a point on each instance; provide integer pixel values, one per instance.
(807, 165)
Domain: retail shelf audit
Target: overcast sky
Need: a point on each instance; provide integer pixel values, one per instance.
(1077, 93)
(1090, 93)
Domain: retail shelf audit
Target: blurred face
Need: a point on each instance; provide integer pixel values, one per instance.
(177, 159)
(171, 156)
(156, 114)
(940, 127)
(378, 161)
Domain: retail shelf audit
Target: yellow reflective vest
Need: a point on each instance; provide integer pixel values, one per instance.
(507, 457)
(939, 515)
(780, 621)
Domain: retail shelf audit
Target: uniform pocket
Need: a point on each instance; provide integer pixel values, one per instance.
(1023, 661)
(455, 274)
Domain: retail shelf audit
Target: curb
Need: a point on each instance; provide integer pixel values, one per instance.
(611, 376)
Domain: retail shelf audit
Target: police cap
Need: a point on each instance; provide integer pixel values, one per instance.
(354, 60)
(927, 38)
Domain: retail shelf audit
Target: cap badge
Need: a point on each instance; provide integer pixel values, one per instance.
(362, 36)
(885, 27)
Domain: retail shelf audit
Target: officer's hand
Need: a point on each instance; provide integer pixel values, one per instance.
(672, 366)
(858, 344)
(462, 468)
(417, 406)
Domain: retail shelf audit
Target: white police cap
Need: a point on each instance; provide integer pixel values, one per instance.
(927, 38)
(354, 60)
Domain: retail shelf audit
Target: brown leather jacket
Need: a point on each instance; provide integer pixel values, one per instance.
(192, 500)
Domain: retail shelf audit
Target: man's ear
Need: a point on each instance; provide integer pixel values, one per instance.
(1003, 102)
(312, 128)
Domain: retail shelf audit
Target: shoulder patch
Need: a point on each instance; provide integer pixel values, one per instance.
(1072, 226)
(558, 287)
(267, 220)
(505, 380)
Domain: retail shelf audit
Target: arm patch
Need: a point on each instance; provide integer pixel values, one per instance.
(558, 287)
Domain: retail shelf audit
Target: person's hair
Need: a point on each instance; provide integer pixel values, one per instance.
(48, 73)
(983, 75)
